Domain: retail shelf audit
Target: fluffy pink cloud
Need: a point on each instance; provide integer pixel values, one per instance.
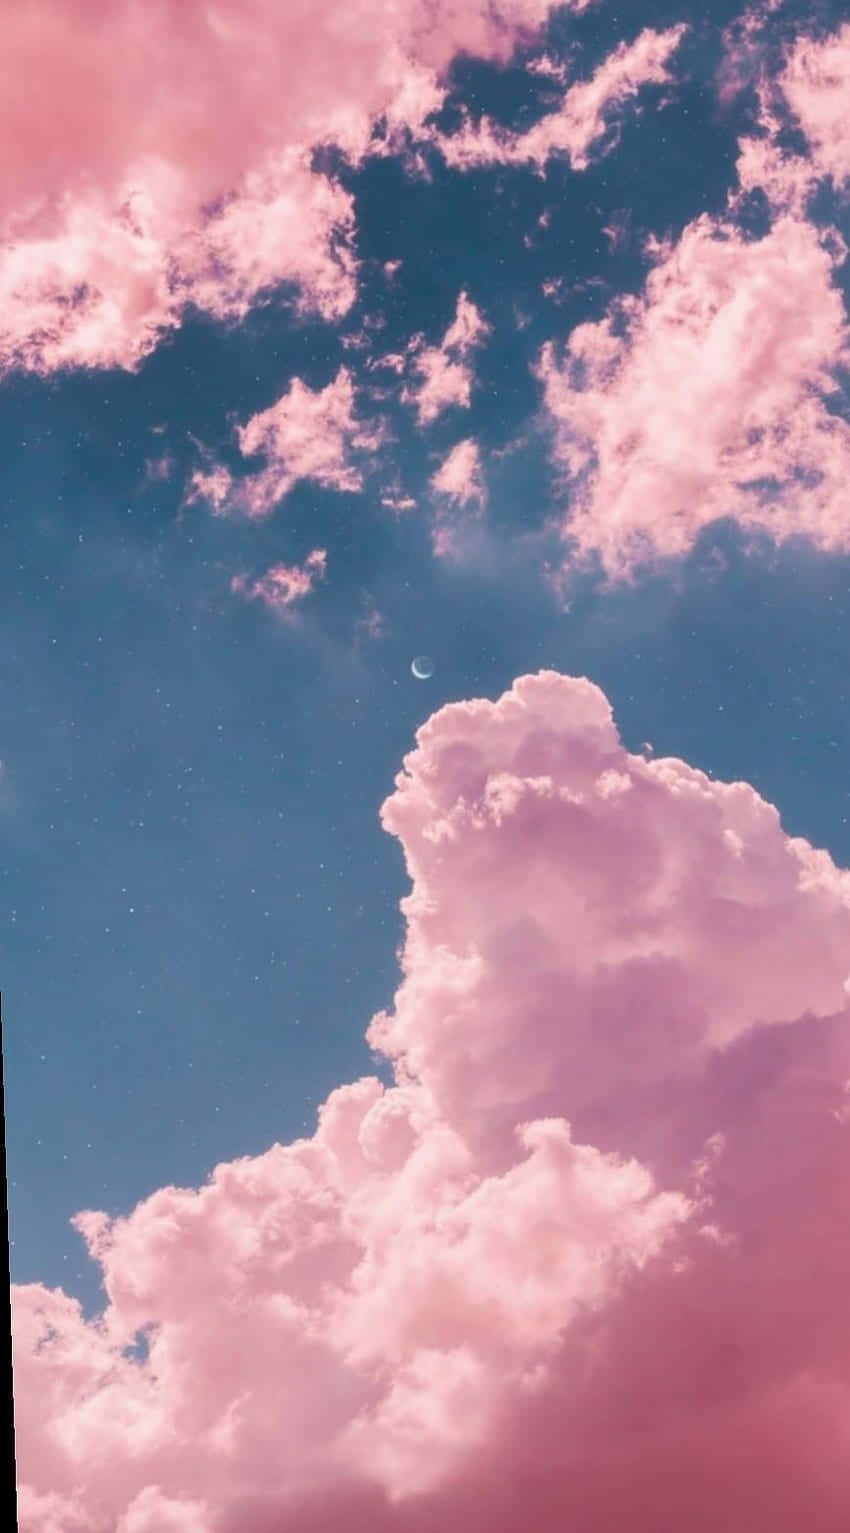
(583, 1265)
(705, 398)
(283, 584)
(444, 374)
(307, 434)
(159, 154)
(586, 115)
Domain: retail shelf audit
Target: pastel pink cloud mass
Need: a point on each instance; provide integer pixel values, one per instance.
(444, 373)
(585, 117)
(159, 154)
(307, 434)
(706, 397)
(284, 584)
(584, 1265)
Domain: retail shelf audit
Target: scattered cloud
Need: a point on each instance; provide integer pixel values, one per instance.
(705, 398)
(283, 584)
(460, 476)
(810, 91)
(159, 469)
(444, 373)
(307, 434)
(583, 1262)
(585, 122)
(459, 484)
(372, 625)
(745, 49)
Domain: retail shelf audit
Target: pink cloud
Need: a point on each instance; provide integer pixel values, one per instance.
(583, 119)
(583, 1265)
(372, 625)
(813, 83)
(459, 477)
(744, 49)
(459, 482)
(704, 398)
(816, 85)
(445, 375)
(283, 584)
(395, 501)
(307, 434)
(159, 155)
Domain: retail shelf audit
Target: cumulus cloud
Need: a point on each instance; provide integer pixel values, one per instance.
(307, 434)
(443, 374)
(283, 584)
(705, 397)
(583, 1263)
(161, 155)
(588, 112)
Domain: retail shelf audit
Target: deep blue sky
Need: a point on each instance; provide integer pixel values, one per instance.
(199, 910)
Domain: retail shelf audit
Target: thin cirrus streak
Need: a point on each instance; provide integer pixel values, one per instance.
(584, 1264)
(460, 493)
(588, 112)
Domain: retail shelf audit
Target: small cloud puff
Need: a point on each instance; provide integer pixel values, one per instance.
(307, 434)
(283, 584)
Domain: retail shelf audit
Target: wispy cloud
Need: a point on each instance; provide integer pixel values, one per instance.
(283, 584)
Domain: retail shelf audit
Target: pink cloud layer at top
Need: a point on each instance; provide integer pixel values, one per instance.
(159, 153)
(585, 117)
(583, 1265)
(705, 398)
(307, 434)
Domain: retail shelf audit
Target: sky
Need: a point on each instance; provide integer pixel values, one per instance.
(427, 1098)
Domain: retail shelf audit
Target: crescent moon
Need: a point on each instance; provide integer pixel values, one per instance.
(422, 667)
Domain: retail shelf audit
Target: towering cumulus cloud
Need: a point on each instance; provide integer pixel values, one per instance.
(584, 1265)
(160, 153)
